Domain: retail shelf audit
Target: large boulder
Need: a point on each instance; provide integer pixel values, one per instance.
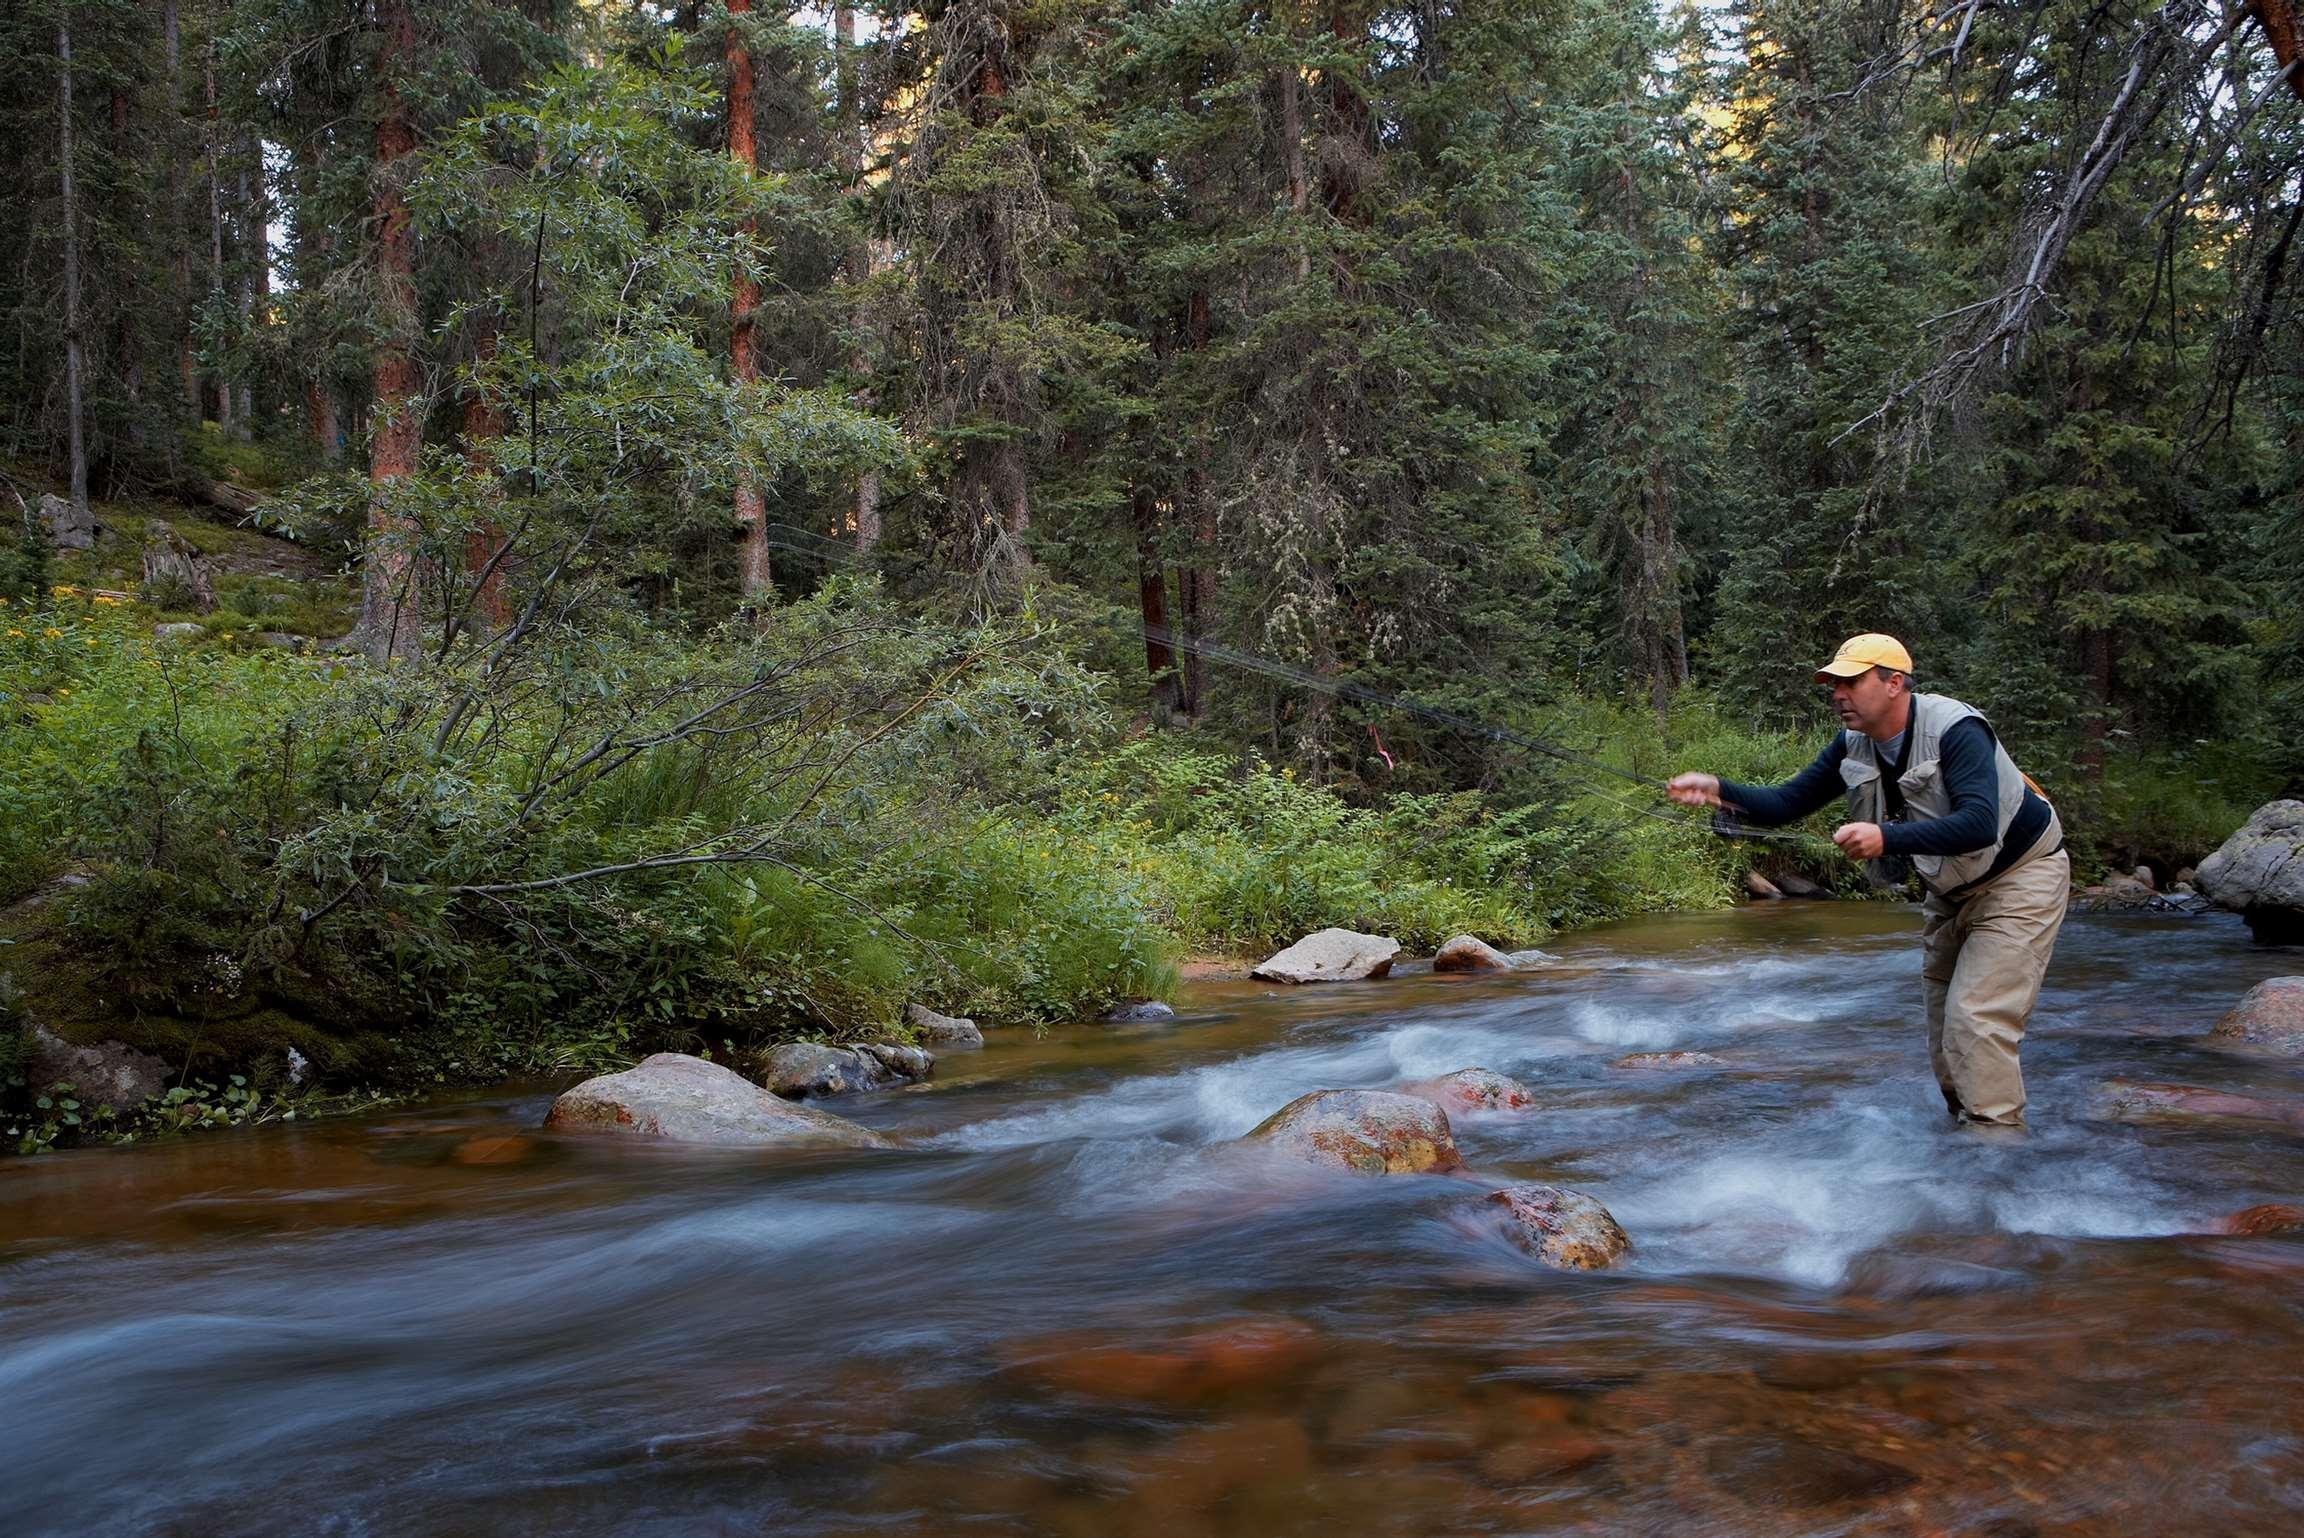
(683, 1099)
(1367, 1131)
(2259, 873)
(943, 1030)
(807, 1070)
(1473, 1089)
(1469, 953)
(1331, 956)
(1564, 1229)
(2271, 1014)
(106, 1073)
(69, 527)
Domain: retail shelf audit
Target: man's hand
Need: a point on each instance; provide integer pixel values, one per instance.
(1695, 790)
(1860, 840)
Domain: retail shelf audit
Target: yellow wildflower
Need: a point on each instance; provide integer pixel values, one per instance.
(62, 591)
(107, 602)
(17, 634)
(51, 632)
(64, 694)
(88, 640)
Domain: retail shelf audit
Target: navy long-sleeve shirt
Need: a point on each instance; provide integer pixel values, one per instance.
(1969, 779)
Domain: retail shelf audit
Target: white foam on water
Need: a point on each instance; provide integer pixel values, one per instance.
(1635, 1025)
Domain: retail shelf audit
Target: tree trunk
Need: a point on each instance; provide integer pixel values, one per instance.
(75, 428)
(252, 252)
(179, 222)
(391, 598)
(755, 574)
(216, 235)
(1196, 584)
(484, 422)
(857, 262)
(1152, 599)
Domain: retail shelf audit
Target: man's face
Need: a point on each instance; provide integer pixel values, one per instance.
(1867, 703)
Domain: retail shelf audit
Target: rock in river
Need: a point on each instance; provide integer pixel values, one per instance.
(805, 1070)
(1473, 1089)
(1470, 953)
(1566, 1230)
(1142, 1012)
(2124, 1100)
(1369, 1131)
(2271, 1014)
(683, 1099)
(1331, 956)
(2265, 1218)
(1670, 1060)
(943, 1030)
(2259, 873)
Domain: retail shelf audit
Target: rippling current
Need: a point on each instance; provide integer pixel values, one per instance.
(1068, 1306)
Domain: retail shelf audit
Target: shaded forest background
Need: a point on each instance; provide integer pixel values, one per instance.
(1586, 367)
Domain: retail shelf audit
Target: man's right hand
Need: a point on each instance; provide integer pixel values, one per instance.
(1695, 789)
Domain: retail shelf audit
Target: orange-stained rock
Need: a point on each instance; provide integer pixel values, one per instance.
(2271, 1014)
(509, 1148)
(2268, 1218)
(1670, 1060)
(1369, 1131)
(1469, 953)
(1566, 1230)
(1473, 1089)
(683, 1099)
(1191, 1368)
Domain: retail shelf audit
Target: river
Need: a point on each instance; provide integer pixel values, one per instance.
(1067, 1307)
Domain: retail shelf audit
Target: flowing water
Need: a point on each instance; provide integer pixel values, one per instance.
(1068, 1307)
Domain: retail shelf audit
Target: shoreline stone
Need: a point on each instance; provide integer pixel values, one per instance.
(1330, 956)
(943, 1030)
(1470, 953)
(2259, 873)
(808, 1070)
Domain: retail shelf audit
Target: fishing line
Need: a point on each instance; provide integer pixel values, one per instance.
(1724, 824)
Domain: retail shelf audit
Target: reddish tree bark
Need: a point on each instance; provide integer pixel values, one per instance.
(392, 591)
(756, 576)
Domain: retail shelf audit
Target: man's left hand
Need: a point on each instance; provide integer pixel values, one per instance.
(1860, 840)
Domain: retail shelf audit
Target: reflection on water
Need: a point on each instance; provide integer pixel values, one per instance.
(1067, 1307)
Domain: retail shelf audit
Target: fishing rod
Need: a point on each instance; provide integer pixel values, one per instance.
(1723, 824)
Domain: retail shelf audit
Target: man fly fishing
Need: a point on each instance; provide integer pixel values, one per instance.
(1927, 781)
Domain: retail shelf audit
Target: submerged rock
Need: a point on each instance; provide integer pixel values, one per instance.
(1793, 884)
(1142, 1012)
(1522, 960)
(1564, 1229)
(943, 1030)
(804, 1070)
(2259, 873)
(1469, 953)
(106, 1073)
(1473, 1089)
(2271, 1014)
(1369, 1131)
(1672, 1060)
(1208, 1362)
(1331, 956)
(2121, 1100)
(681, 1099)
(2262, 1219)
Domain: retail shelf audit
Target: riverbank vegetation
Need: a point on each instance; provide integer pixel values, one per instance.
(556, 529)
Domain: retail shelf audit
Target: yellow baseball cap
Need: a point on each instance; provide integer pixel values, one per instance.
(1858, 655)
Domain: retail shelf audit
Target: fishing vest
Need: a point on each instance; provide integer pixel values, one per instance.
(1925, 796)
